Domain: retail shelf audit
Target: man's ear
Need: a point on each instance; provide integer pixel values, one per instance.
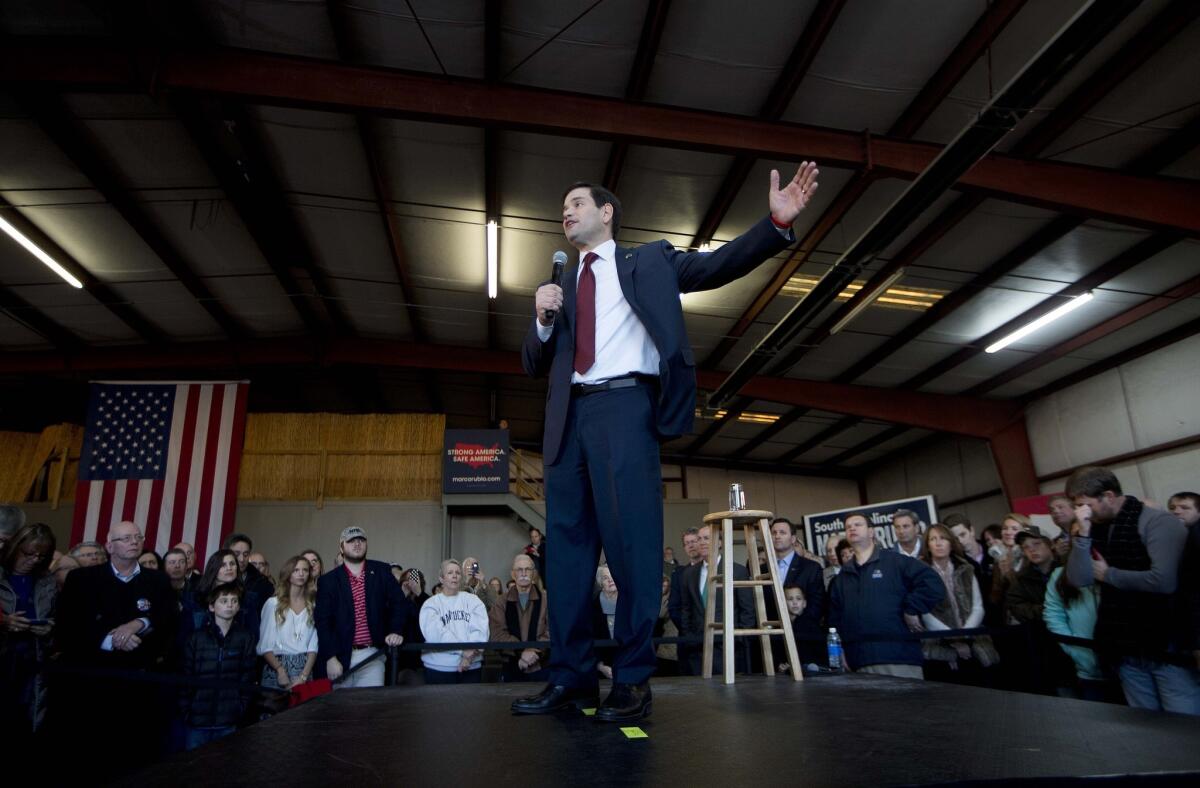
(606, 213)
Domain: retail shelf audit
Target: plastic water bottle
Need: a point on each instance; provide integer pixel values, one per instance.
(833, 645)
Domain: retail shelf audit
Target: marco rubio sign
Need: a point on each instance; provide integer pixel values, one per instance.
(820, 528)
(475, 461)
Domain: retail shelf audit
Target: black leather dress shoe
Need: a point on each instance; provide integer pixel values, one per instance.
(626, 703)
(555, 697)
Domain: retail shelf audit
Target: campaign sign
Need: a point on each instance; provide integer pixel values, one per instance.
(475, 461)
(820, 528)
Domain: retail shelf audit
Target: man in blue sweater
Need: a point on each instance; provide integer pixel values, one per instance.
(879, 596)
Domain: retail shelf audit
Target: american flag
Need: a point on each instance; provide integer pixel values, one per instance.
(164, 455)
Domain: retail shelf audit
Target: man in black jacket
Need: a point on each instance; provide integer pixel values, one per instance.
(118, 617)
(800, 572)
(360, 608)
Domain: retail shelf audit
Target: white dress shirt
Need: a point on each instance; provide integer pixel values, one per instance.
(622, 345)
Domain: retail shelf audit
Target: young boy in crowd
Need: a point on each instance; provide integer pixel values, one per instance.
(809, 650)
(223, 650)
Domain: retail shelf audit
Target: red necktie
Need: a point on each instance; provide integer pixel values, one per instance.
(585, 316)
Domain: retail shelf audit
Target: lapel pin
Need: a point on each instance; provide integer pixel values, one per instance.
(628, 255)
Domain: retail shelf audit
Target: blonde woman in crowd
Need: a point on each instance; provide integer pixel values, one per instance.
(287, 633)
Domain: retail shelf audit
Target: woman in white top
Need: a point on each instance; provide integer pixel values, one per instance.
(287, 634)
(453, 616)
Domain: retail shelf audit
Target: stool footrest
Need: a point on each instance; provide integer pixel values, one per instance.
(745, 583)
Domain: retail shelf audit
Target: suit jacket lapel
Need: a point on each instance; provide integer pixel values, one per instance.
(569, 286)
(625, 260)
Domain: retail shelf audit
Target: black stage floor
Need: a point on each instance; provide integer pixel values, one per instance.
(845, 730)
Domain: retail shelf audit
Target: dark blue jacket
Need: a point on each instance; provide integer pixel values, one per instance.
(652, 277)
(387, 611)
(871, 600)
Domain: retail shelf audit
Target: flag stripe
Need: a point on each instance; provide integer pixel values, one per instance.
(106, 508)
(79, 517)
(130, 500)
(204, 507)
(162, 536)
(141, 503)
(93, 513)
(196, 470)
(186, 436)
(166, 514)
(236, 436)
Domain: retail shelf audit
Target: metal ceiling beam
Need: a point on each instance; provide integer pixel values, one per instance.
(869, 443)
(816, 30)
(37, 321)
(989, 25)
(1177, 334)
(1124, 62)
(256, 196)
(118, 306)
(52, 115)
(1138, 253)
(336, 12)
(816, 440)
(1150, 306)
(1045, 70)
(653, 25)
(272, 79)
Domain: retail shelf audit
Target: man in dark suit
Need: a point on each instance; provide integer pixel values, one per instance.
(350, 631)
(796, 571)
(622, 379)
(693, 588)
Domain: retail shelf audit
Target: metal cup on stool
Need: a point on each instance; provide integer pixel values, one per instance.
(737, 497)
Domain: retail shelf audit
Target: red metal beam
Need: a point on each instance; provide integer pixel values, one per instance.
(959, 415)
(1158, 202)
(1014, 461)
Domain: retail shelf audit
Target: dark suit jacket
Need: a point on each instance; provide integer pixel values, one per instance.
(94, 602)
(651, 277)
(806, 574)
(692, 614)
(387, 611)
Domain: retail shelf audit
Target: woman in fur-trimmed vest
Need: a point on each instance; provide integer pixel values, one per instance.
(961, 608)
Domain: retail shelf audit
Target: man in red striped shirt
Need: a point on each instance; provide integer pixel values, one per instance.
(360, 608)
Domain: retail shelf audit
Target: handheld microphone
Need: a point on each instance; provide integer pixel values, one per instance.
(556, 275)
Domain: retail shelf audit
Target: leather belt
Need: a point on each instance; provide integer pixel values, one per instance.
(623, 382)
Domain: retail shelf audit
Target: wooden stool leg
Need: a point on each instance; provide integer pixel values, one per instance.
(710, 605)
(760, 606)
(730, 623)
(789, 639)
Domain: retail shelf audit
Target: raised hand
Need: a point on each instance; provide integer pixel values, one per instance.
(787, 202)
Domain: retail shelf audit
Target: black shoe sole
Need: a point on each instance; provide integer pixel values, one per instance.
(579, 703)
(645, 712)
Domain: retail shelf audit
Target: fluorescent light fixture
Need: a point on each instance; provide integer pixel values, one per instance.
(705, 247)
(866, 302)
(33, 249)
(491, 259)
(1045, 319)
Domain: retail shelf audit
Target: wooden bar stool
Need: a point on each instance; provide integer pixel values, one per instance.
(754, 523)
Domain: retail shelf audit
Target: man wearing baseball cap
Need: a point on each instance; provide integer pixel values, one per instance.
(360, 608)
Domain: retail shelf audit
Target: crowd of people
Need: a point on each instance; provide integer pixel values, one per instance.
(1108, 610)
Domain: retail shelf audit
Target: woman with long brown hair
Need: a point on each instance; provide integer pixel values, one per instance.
(287, 634)
(958, 660)
(27, 599)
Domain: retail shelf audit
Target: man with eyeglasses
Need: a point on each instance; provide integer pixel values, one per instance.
(116, 617)
(522, 615)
